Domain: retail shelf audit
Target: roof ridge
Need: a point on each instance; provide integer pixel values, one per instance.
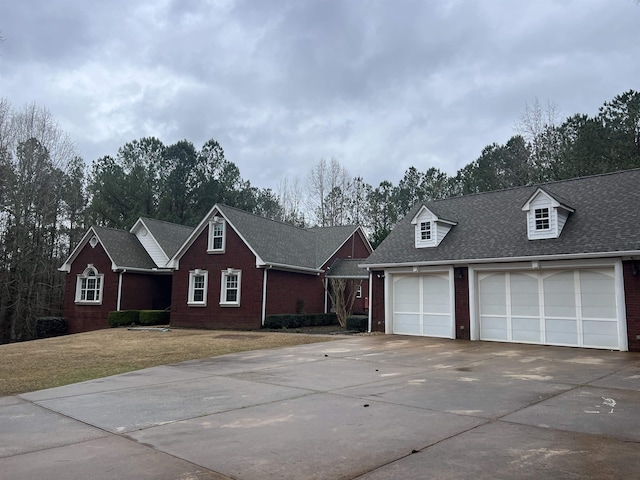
(530, 185)
(166, 222)
(261, 217)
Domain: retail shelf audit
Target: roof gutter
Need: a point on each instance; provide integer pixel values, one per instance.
(292, 268)
(465, 261)
(160, 271)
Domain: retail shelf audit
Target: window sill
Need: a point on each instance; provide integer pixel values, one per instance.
(229, 304)
(199, 304)
(86, 303)
(215, 251)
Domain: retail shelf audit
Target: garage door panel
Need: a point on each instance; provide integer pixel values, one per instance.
(494, 328)
(598, 295)
(600, 333)
(406, 291)
(492, 291)
(435, 294)
(526, 330)
(524, 295)
(405, 323)
(568, 307)
(561, 331)
(422, 305)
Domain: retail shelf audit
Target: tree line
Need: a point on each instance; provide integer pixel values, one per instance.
(49, 196)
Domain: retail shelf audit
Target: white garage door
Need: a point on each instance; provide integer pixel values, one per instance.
(571, 308)
(422, 305)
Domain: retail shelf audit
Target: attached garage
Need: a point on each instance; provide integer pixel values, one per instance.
(422, 305)
(558, 307)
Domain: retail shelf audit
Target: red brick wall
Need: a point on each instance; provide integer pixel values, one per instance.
(354, 247)
(286, 291)
(461, 287)
(237, 256)
(361, 305)
(82, 318)
(377, 302)
(632, 299)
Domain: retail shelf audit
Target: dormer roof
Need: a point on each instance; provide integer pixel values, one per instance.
(555, 200)
(546, 215)
(430, 229)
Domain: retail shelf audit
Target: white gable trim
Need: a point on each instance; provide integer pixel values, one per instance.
(150, 243)
(174, 262)
(427, 224)
(66, 266)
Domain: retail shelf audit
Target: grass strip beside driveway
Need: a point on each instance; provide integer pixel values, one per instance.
(52, 362)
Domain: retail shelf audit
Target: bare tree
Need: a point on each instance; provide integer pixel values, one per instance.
(34, 157)
(290, 197)
(538, 125)
(328, 186)
(342, 293)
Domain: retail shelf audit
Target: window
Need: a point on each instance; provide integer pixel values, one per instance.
(197, 288)
(89, 287)
(216, 235)
(359, 290)
(230, 288)
(425, 230)
(542, 218)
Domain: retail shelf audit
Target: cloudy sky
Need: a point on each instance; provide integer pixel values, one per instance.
(381, 85)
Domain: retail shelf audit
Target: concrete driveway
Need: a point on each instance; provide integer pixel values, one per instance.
(367, 407)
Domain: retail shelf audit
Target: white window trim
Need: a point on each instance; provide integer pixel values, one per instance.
(359, 290)
(427, 230)
(89, 272)
(223, 287)
(192, 276)
(542, 218)
(212, 225)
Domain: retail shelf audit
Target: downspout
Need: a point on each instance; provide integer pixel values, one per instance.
(119, 290)
(326, 293)
(264, 294)
(370, 298)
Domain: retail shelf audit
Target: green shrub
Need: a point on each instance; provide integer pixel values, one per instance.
(358, 323)
(301, 320)
(50, 327)
(154, 317)
(124, 318)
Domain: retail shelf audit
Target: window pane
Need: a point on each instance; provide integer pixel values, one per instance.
(232, 295)
(198, 295)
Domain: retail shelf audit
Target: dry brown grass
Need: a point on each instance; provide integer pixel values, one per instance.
(39, 364)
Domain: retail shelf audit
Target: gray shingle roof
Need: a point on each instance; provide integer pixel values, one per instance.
(170, 236)
(347, 268)
(280, 243)
(124, 248)
(492, 225)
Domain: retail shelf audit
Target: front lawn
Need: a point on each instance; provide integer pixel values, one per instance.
(51, 362)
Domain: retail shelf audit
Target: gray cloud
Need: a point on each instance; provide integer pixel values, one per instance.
(379, 85)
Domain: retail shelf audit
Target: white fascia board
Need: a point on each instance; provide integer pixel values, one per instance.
(339, 247)
(290, 268)
(66, 266)
(135, 229)
(174, 262)
(363, 277)
(467, 261)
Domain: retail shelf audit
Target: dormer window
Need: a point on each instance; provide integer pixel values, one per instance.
(542, 218)
(217, 235)
(429, 228)
(546, 215)
(425, 231)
